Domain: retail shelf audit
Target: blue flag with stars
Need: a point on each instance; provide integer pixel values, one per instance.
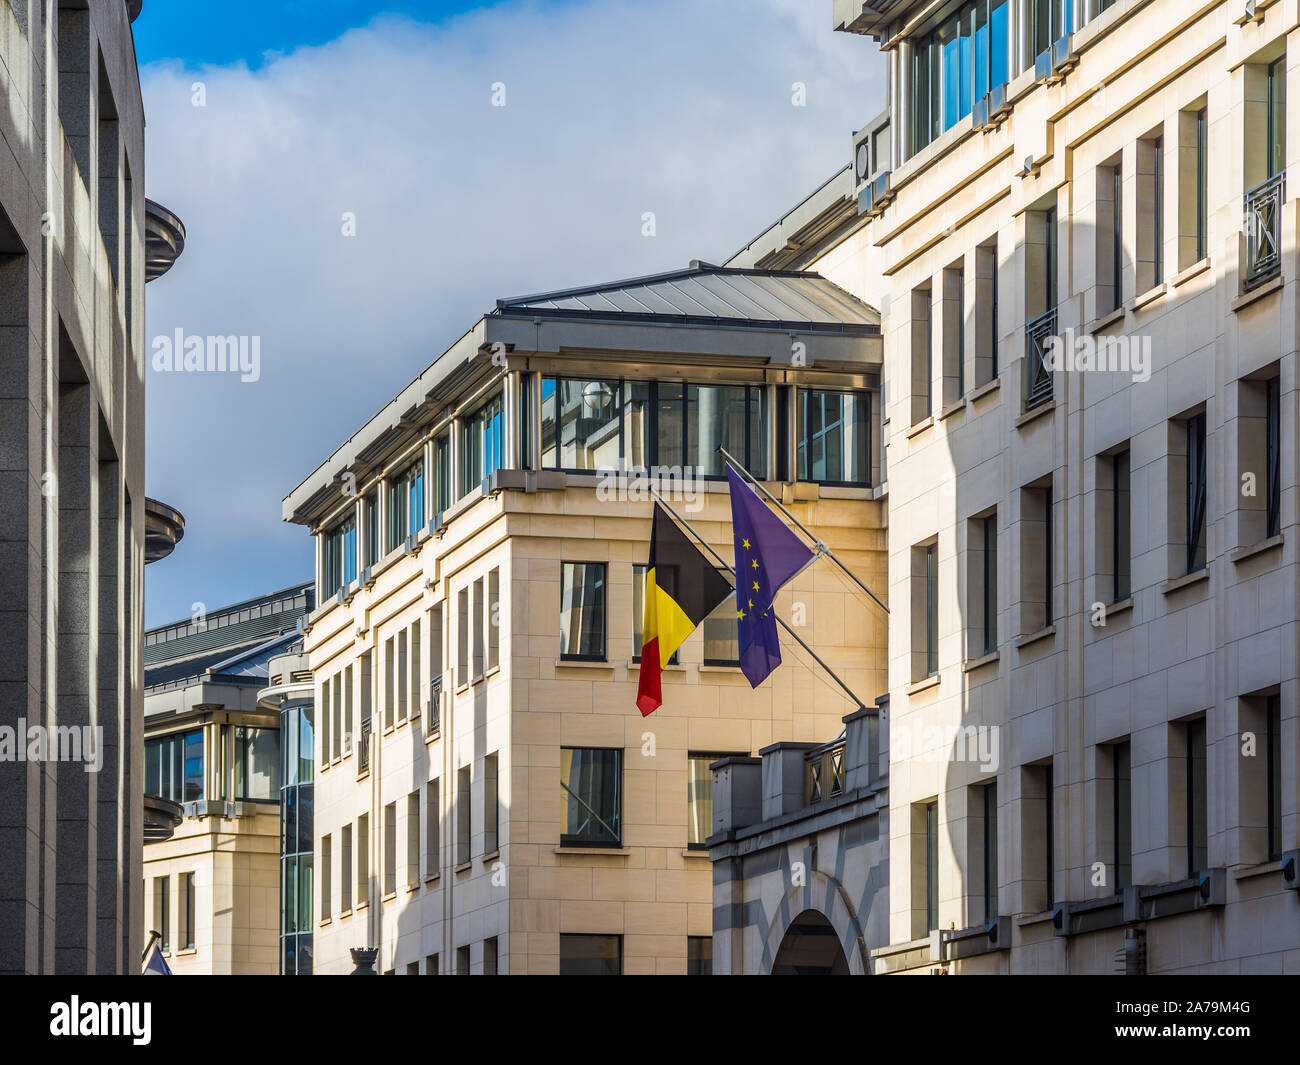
(767, 555)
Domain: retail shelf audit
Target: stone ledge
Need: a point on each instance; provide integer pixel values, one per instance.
(1177, 584)
(1035, 413)
(1183, 276)
(920, 426)
(1247, 298)
(1243, 553)
(924, 684)
(1033, 637)
(1150, 296)
(1106, 320)
(985, 389)
(972, 664)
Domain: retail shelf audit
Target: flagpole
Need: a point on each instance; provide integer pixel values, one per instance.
(822, 549)
(793, 635)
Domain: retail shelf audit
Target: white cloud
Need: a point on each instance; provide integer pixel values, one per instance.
(613, 108)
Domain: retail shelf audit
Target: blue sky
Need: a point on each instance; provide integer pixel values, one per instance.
(206, 32)
(312, 112)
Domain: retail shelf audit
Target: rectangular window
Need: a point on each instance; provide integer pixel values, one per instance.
(336, 746)
(442, 489)
(925, 620)
(490, 956)
(162, 905)
(931, 611)
(483, 444)
(1150, 206)
(400, 678)
(1049, 834)
(1202, 185)
(363, 860)
(347, 711)
(464, 826)
(1273, 457)
(477, 622)
(462, 637)
(416, 685)
(722, 636)
(494, 619)
(1121, 531)
(390, 681)
(363, 747)
(257, 765)
(434, 721)
(405, 504)
(581, 424)
(582, 611)
(462, 961)
(1197, 798)
(588, 955)
(431, 965)
(665, 578)
(1110, 237)
(699, 799)
(432, 821)
(1036, 550)
(922, 350)
(326, 867)
(491, 806)
(1277, 116)
(1196, 486)
(990, 851)
(325, 723)
(982, 534)
(932, 866)
(413, 839)
(1273, 710)
(956, 61)
(591, 782)
(370, 508)
(345, 869)
(953, 323)
(340, 561)
(390, 848)
(987, 362)
(699, 955)
(173, 766)
(187, 909)
(833, 436)
(1121, 805)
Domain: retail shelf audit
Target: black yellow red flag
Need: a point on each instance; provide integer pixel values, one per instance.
(682, 588)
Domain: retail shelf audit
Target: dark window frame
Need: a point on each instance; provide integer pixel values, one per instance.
(603, 817)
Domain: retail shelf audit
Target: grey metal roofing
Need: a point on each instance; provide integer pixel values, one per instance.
(711, 295)
(250, 661)
(225, 637)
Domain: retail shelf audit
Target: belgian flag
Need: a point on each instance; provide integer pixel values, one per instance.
(681, 589)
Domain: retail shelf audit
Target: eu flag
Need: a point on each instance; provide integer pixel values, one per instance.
(767, 555)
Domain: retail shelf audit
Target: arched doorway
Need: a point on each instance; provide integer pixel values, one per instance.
(810, 947)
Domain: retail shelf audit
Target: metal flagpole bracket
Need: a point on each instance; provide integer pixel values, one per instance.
(822, 549)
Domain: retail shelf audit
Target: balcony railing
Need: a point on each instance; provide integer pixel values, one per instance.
(434, 719)
(824, 772)
(1038, 378)
(1263, 224)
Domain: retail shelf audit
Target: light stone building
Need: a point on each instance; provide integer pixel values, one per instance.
(77, 243)
(488, 798)
(216, 689)
(1094, 745)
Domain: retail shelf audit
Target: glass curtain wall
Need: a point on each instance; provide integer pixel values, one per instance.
(297, 836)
(956, 63)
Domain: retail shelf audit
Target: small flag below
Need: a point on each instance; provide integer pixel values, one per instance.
(767, 555)
(682, 588)
(154, 963)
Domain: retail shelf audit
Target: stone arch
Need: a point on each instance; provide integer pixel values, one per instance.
(826, 896)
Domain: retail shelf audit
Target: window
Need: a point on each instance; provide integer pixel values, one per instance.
(390, 848)
(1121, 527)
(401, 678)
(162, 905)
(494, 619)
(187, 898)
(363, 752)
(1196, 493)
(1259, 514)
(931, 866)
(345, 869)
(347, 711)
(591, 780)
(173, 766)
(442, 487)
(462, 961)
(325, 723)
(582, 611)
(1151, 205)
(956, 63)
(1273, 740)
(1110, 237)
(462, 636)
(1277, 116)
(390, 681)
(1121, 811)
(638, 606)
(1048, 21)
(434, 721)
(587, 955)
(405, 504)
(1040, 301)
(1193, 163)
(490, 956)
(580, 424)
(339, 565)
(464, 825)
(413, 839)
(952, 320)
(1049, 834)
(722, 636)
(432, 817)
(431, 965)
(990, 796)
(338, 715)
(833, 441)
(982, 568)
(1202, 184)
(1273, 422)
(699, 955)
(326, 867)
(987, 364)
(922, 344)
(370, 511)
(699, 799)
(478, 629)
(363, 860)
(491, 806)
(925, 620)
(482, 444)
(1036, 549)
(412, 968)
(1197, 798)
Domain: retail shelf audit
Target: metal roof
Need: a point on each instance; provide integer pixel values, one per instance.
(711, 295)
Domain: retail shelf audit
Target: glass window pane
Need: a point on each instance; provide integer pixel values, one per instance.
(582, 610)
(721, 636)
(671, 396)
(587, 955)
(588, 424)
(193, 766)
(699, 798)
(306, 745)
(999, 70)
(591, 785)
(636, 425)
